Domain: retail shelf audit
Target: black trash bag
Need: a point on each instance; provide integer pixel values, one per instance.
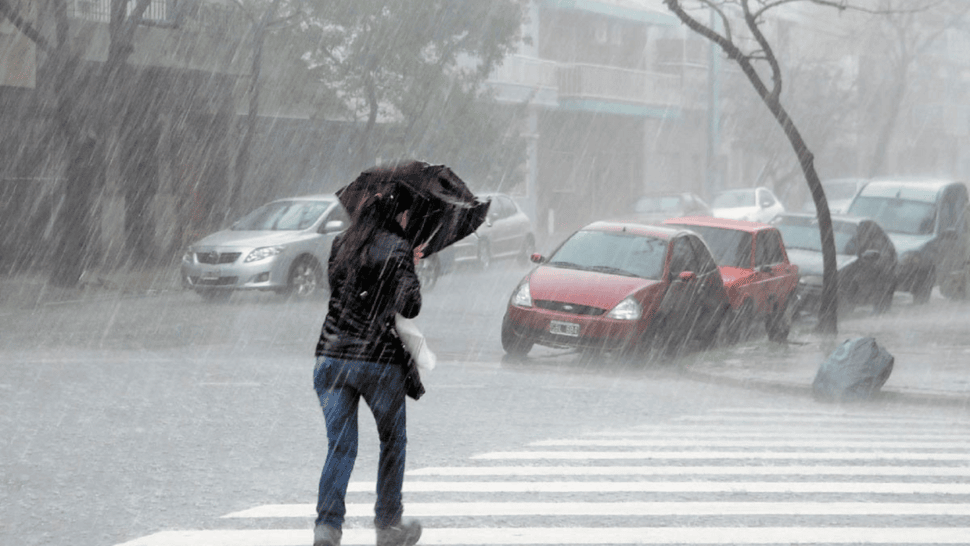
(853, 372)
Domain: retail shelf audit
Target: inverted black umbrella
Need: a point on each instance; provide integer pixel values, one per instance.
(444, 211)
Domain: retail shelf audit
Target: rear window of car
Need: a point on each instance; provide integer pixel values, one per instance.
(896, 215)
(283, 216)
(730, 247)
(803, 233)
(613, 252)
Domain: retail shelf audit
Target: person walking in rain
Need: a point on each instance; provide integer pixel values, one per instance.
(372, 276)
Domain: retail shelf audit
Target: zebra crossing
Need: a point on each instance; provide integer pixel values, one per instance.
(734, 476)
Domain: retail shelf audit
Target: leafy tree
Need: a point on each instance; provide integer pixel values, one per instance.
(420, 65)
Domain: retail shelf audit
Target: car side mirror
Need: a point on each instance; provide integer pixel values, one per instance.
(871, 255)
(687, 276)
(333, 226)
(537, 258)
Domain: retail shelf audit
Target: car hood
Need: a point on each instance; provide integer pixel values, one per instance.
(908, 243)
(809, 262)
(735, 213)
(252, 239)
(583, 287)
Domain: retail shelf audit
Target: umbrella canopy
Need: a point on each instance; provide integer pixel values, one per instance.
(444, 211)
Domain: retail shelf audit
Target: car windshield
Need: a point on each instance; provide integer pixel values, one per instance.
(657, 204)
(730, 247)
(896, 215)
(733, 199)
(613, 252)
(803, 233)
(283, 216)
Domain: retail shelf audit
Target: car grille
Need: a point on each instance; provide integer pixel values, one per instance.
(214, 257)
(221, 281)
(571, 308)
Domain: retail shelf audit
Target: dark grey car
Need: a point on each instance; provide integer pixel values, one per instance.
(927, 221)
(865, 260)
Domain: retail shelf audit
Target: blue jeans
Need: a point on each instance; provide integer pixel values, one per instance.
(340, 384)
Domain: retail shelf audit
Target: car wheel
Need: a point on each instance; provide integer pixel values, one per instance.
(739, 323)
(428, 270)
(514, 343)
(924, 287)
(884, 301)
(778, 324)
(528, 249)
(484, 254)
(214, 296)
(304, 279)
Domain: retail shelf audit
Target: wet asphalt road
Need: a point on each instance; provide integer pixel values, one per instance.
(121, 417)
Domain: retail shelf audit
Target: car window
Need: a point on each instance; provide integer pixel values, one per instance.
(730, 247)
(803, 233)
(765, 199)
(950, 209)
(683, 258)
(283, 216)
(896, 215)
(705, 260)
(768, 251)
(612, 252)
(337, 214)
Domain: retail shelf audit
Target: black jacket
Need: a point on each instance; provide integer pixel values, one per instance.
(363, 301)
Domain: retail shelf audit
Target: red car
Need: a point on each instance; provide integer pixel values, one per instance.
(617, 286)
(754, 265)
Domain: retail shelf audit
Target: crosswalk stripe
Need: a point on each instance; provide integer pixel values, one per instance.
(676, 487)
(810, 455)
(761, 470)
(579, 535)
(734, 508)
(694, 442)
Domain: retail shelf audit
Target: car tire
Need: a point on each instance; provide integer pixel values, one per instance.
(514, 343)
(739, 323)
(214, 296)
(528, 249)
(924, 287)
(305, 278)
(484, 254)
(884, 301)
(778, 323)
(428, 270)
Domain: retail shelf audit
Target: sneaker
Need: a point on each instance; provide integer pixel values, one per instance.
(405, 533)
(325, 535)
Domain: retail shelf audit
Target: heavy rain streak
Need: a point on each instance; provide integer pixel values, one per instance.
(689, 272)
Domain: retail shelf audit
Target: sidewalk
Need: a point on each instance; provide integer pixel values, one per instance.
(930, 344)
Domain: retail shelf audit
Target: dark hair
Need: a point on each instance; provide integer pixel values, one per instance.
(377, 212)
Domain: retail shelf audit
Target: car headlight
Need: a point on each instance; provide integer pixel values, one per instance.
(810, 280)
(522, 297)
(263, 253)
(628, 309)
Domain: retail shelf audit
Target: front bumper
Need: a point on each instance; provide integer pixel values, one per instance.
(267, 274)
(600, 332)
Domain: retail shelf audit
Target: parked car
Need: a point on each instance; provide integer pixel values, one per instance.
(282, 246)
(865, 260)
(655, 208)
(927, 221)
(759, 279)
(506, 233)
(615, 286)
(839, 193)
(751, 204)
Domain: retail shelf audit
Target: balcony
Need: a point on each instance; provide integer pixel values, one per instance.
(587, 87)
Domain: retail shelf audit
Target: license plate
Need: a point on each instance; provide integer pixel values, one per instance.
(563, 328)
(211, 275)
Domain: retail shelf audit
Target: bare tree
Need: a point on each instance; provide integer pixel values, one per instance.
(749, 16)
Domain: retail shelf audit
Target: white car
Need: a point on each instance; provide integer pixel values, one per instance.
(282, 246)
(750, 204)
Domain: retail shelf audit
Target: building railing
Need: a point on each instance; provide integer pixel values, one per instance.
(100, 10)
(590, 82)
(594, 82)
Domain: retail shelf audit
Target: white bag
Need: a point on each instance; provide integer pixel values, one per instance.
(415, 343)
